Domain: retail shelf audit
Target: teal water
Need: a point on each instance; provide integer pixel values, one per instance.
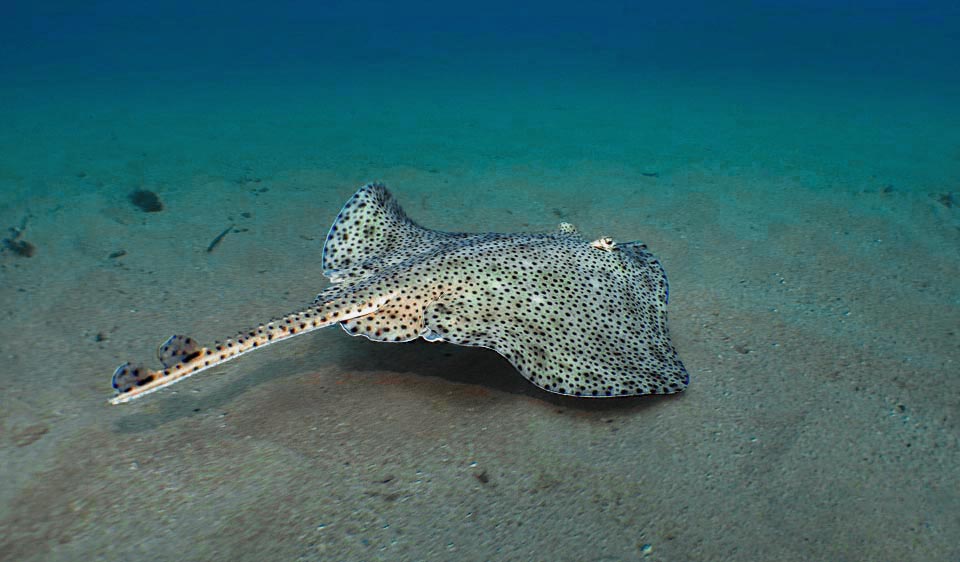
(795, 166)
(828, 83)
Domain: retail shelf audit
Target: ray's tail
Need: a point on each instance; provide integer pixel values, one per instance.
(182, 356)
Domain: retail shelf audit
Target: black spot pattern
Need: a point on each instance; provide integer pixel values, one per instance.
(572, 318)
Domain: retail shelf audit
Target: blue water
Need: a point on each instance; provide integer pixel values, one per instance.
(625, 77)
(417, 69)
(107, 40)
(794, 165)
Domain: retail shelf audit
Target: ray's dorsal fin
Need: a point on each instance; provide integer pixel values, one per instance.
(177, 349)
(130, 375)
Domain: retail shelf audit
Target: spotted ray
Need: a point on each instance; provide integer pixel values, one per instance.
(574, 317)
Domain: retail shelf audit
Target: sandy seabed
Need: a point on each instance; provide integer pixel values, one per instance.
(813, 250)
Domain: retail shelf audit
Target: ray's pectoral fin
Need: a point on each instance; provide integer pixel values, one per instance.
(569, 229)
(573, 350)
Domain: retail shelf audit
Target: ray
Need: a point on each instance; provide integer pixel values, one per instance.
(573, 317)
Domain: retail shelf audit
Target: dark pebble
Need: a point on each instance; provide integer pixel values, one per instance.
(146, 200)
(20, 247)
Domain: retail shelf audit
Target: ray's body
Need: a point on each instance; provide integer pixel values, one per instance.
(574, 317)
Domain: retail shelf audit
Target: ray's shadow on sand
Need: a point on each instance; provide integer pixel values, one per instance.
(461, 370)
